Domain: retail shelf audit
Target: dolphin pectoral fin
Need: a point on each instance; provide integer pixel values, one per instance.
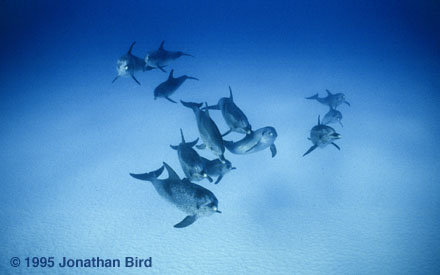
(162, 69)
(346, 102)
(209, 179)
(148, 68)
(186, 221)
(201, 146)
(193, 143)
(175, 147)
(337, 147)
(114, 79)
(134, 78)
(218, 179)
(229, 131)
(310, 150)
(169, 99)
(273, 150)
(340, 122)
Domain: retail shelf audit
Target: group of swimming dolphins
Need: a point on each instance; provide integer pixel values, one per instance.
(193, 199)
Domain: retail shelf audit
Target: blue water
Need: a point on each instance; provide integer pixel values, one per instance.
(69, 137)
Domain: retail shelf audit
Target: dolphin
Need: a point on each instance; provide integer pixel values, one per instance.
(216, 168)
(192, 165)
(161, 57)
(128, 64)
(332, 116)
(189, 197)
(168, 87)
(256, 141)
(321, 135)
(331, 100)
(208, 130)
(234, 117)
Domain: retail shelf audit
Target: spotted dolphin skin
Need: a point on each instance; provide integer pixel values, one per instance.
(208, 130)
(160, 58)
(256, 141)
(191, 198)
(332, 116)
(128, 64)
(192, 164)
(322, 135)
(331, 100)
(167, 88)
(216, 168)
(234, 117)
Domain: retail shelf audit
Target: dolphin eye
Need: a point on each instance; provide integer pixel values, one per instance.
(214, 208)
(126, 67)
(270, 134)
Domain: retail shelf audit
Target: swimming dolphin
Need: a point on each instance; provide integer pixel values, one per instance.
(216, 168)
(332, 116)
(191, 198)
(234, 117)
(208, 130)
(331, 100)
(128, 64)
(256, 141)
(322, 135)
(168, 87)
(192, 165)
(161, 57)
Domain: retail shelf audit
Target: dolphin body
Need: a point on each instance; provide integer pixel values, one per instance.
(321, 135)
(234, 117)
(331, 100)
(191, 198)
(256, 141)
(208, 130)
(168, 87)
(128, 64)
(216, 168)
(332, 116)
(161, 57)
(192, 164)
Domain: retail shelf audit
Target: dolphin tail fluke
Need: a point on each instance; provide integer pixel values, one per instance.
(191, 105)
(114, 79)
(188, 220)
(162, 69)
(174, 147)
(310, 150)
(131, 47)
(315, 96)
(134, 78)
(193, 143)
(148, 176)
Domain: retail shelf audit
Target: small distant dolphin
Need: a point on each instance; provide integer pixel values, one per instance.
(234, 117)
(332, 116)
(128, 64)
(331, 100)
(192, 164)
(168, 87)
(216, 168)
(256, 141)
(208, 130)
(191, 198)
(161, 57)
(322, 135)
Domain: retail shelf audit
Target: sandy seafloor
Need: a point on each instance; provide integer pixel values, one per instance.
(69, 137)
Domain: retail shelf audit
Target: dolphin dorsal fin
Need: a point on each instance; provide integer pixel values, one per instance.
(171, 76)
(230, 93)
(161, 45)
(319, 119)
(171, 173)
(328, 92)
(181, 134)
(131, 47)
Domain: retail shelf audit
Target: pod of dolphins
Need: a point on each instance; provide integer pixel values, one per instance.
(193, 199)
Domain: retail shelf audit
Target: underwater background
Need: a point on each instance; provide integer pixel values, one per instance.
(69, 137)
